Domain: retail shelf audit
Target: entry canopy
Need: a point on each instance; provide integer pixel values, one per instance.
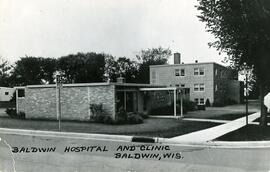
(266, 101)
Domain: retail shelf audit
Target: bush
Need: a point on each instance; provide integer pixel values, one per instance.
(143, 115)
(121, 116)
(218, 104)
(207, 103)
(134, 118)
(13, 114)
(98, 114)
(108, 120)
(230, 101)
(169, 109)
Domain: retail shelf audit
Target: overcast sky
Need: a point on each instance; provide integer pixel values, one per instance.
(54, 28)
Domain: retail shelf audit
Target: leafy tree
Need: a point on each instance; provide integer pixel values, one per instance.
(33, 70)
(121, 67)
(153, 56)
(27, 71)
(48, 67)
(4, 72)
(242, 30)
(82, 67)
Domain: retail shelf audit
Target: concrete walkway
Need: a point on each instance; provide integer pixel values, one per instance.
(215, 132)
(207, 120)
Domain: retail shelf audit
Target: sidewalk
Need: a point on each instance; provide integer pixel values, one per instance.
(215, 132)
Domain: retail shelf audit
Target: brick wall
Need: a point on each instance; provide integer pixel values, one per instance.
(75, 101)
(226, 85)
(165, 75)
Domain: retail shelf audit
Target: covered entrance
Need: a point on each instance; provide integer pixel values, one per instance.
(127, 100)
(177, 93)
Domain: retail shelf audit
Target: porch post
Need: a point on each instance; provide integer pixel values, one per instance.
(181, 97)
(125, 100)
(17, 106)
(174, 99)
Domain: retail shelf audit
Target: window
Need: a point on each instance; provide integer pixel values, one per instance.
(177, 85)
(6, 93)
(201, 87)
(183, 85)
(198, 87)
(201, 101)
(198, 71)
(21, 93)
(216, 88)
(182, 73)
(196, 100)
(177, 72)
(154, 77)
(216, 72)
(201, 71)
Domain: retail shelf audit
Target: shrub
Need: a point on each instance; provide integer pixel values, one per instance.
(207, 103)
(97, 112)
(143, 115)
(108, 120)
(229, 101)
(134, 118)
(121, 116)
(218, 104)
(169, 109)
(21, 115)
(13, 114)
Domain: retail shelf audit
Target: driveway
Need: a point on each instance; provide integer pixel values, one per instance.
(238, 110)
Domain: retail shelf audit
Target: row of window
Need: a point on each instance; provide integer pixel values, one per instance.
(199, 101)
(181, 72)
(196, 88)
(199, 87)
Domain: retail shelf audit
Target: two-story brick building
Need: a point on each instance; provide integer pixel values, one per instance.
(210, 80)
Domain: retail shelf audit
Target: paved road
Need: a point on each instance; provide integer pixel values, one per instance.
(105, 155)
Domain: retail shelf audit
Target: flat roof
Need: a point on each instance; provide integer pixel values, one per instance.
(91, 85)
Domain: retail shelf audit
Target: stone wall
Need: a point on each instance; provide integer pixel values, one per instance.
(41, 103)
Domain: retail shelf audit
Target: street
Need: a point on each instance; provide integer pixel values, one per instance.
(32, 152)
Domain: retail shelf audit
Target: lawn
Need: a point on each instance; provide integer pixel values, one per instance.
(154, 127)
(248, 133)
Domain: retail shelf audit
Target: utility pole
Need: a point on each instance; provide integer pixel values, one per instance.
(58, 87)
(246, 98)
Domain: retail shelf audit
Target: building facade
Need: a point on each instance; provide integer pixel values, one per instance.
(6, 93)
(42, 101)
(210, 81)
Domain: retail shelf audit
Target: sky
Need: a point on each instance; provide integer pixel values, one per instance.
(55, 28)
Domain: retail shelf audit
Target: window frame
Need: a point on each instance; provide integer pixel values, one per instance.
(176, 72)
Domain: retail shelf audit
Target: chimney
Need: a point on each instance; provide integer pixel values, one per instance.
(121, 80)
(177, 58)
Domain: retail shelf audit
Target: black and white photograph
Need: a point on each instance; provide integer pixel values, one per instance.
(134, 85)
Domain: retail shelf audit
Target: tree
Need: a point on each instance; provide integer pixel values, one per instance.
(4, 72)
(82, 67)
(27, 71)
(242, 30)
(33, 70)
(121, 66)
(154, 56)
